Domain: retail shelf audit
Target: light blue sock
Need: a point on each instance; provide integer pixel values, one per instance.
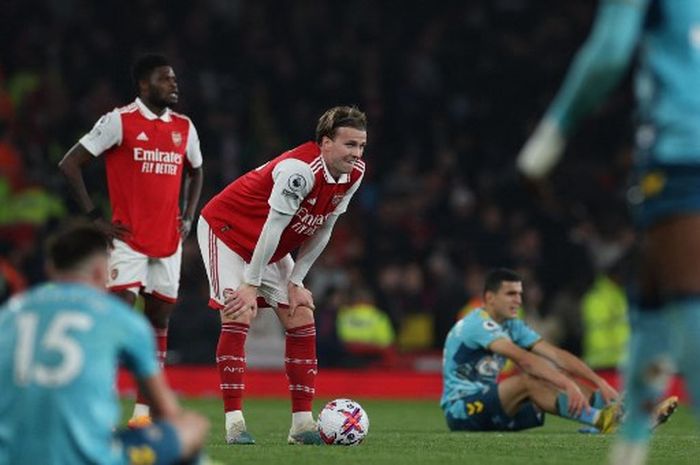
(649, 352)
(597, 400)
(584, 417)
(685, 321)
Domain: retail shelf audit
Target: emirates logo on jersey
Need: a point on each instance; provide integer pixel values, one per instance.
(157, 161)
(177, 138)
(307, 223)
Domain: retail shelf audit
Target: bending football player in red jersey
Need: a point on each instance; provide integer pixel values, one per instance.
(147, 147)
(246, 234)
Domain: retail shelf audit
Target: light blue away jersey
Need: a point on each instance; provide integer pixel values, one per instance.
(667, 83)
(60, 345)
(467, 363)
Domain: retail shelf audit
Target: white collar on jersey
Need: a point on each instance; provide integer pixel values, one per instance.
(148, 114)
(343, 179)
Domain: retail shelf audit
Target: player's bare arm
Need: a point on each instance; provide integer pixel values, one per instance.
(598, 67)
(308, 254)
(192, 190)
(245, 298)
(71, 168)
(536, 366)
(162, 400)
(576, 367)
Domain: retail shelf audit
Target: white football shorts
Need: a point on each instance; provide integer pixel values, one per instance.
(131, 270)
(225, 271)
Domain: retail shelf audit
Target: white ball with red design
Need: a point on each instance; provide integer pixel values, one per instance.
(343, 422)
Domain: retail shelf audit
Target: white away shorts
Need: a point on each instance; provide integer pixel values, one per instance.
(225, 271)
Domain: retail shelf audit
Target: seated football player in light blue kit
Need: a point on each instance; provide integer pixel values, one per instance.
(60, 346)
(665, 192)
(476, 349)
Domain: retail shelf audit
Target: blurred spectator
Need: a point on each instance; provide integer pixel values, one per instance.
(365, 331)
(11, 280)
(606, 328)
(449, 106)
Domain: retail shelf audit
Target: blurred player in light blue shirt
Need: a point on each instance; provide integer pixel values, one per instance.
(665, 188)
(60, 346)
(476, 349)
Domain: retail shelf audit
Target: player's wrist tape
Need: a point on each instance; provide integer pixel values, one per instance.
(94, 214)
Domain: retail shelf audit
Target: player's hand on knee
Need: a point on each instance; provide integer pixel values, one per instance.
(237, 308)
(245, 299)
(609, 393)
(577, 401)
(299, 297)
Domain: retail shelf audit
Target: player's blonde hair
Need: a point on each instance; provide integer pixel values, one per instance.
(340, 117)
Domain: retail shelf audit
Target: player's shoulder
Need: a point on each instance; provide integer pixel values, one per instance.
(358, 172)
(95, 300)
(359, 167)
(480, 320)
(126, 109)
(515, 324)
(308, 152)
(180, 116)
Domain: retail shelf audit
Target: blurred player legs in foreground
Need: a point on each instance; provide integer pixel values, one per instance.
(62, 342)
(665, 192)
(147, 148)
(246, 234)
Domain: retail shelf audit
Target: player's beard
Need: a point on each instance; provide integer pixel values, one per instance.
(162, 100)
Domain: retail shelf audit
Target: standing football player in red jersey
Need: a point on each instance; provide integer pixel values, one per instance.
(246, 234)
(146, 146)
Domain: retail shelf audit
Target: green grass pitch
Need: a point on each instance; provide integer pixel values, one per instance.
(413, 432)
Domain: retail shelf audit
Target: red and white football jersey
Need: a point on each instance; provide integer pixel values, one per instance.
(145, 155)
(296, 183)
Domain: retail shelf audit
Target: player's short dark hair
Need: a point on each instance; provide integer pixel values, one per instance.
(496, 277)
(144, 66)
(74, 243)
(340, 117)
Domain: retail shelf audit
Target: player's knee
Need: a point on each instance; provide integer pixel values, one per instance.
(159, 318)
(192, 429)
(530, 383)
(245, 318)
(127, 296)
(158, 311)
(302, 316)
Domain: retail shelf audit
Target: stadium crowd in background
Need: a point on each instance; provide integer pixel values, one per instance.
(449, 103)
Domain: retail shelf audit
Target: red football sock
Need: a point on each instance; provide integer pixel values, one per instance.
(161, 354)
(301, 366)
(162, 345)
(230, 359)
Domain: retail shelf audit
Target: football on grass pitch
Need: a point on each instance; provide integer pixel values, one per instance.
(343, 422)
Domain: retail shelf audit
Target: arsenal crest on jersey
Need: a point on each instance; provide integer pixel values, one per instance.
(177, 138)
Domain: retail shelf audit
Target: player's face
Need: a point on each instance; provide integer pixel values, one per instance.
(506, 302)
(341, 152)
(162, 88)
